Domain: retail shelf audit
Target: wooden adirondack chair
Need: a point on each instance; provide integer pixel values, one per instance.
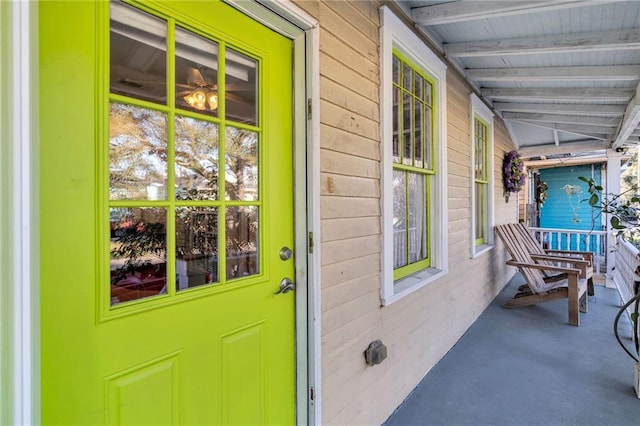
(569, 281)
(536, 248)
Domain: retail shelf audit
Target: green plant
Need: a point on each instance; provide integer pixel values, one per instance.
(623, 213)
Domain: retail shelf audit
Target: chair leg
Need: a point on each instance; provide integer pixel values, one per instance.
(584, 303)
(574, 300)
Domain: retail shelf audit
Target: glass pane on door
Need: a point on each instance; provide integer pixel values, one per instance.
(241, 88)
(138, 54)
(196, 246)
(196, 159)
(137, 153)
(241, 164)
(138, 248)
(242, 241)
(196, 73)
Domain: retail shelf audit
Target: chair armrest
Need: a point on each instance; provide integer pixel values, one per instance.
(588, 254)
(515, 263)
(579, 263)
(564, 259)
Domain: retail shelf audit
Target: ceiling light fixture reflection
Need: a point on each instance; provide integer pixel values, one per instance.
(200, 99)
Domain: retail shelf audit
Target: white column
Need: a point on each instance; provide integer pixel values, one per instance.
(612, 186)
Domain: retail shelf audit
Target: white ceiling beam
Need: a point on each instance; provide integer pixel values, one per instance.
(586, 109)
(572, 94)
(561, 43)
(597, 132)
(629, 122)
(545, 163)
(462, 11)
(564, 148)
(562, 118)
(579, 73)
(597, 157)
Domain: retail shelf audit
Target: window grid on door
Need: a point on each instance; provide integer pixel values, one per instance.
(143, 212)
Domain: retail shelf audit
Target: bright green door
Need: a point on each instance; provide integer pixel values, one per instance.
(166, 215)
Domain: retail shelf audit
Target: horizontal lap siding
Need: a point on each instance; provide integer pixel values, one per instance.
(420, 328)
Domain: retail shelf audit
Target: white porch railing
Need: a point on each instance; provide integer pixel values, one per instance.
(575, 239)
(624, 274)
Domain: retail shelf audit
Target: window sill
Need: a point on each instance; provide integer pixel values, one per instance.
(483, 248)
(414, 282)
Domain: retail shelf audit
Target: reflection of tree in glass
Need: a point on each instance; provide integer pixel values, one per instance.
(137, 149)
(197, 231)
(135, 239)
(242, 241)
(196, 159)
(242, 227)
(241, 164)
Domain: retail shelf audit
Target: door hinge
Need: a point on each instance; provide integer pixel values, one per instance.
(309, 109)
(310, 242)
(312, 394)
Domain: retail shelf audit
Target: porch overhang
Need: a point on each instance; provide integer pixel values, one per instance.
(564, 75)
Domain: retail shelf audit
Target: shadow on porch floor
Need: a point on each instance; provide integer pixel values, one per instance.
(527, 366)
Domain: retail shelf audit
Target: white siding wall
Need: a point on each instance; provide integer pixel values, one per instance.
(420, 328)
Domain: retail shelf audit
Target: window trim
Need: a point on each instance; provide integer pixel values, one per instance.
(425, 171)
(394, 34)
(483, 113)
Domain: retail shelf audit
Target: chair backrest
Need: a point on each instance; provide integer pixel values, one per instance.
(520, 248)
(529, 239)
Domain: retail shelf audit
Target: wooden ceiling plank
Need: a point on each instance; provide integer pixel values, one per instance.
(577, 73)
(578, 129)
(586, 109)
(577, 42)
(463, 11)
(581, 93)
(561, 118)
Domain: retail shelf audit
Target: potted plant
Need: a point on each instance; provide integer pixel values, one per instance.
(513, 175)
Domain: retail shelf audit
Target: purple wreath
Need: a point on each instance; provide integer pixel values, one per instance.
(512, 172)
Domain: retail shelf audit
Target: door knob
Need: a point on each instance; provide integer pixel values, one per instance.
(286, 285)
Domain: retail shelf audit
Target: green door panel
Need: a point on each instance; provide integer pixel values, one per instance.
(215, 354)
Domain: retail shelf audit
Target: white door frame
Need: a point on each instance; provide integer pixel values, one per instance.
(292, 22)
(19, 214)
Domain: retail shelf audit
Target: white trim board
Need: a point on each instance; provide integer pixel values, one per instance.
(20, 98)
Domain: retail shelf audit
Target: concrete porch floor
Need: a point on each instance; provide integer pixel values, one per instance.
(527, 366)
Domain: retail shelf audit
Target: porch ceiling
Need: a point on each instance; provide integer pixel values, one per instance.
(563, 74)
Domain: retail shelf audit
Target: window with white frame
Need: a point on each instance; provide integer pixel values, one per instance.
(481, 176)
(413, 129)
